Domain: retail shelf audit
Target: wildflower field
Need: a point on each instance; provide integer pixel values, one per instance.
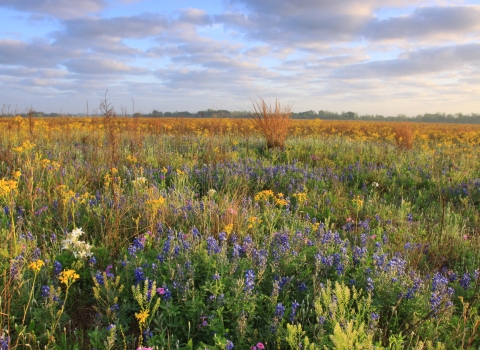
(121, 233)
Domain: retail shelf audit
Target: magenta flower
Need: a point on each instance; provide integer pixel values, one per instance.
(161, 291)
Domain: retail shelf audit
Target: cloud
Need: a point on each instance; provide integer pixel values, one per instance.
(56, 8)
(37, 53)
(306, 24)
(419, 62)
(101, 66)
(32, 72)
(440, 23)
(196, 16)
(137, 26)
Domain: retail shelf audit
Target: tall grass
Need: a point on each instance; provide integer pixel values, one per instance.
(273, 122)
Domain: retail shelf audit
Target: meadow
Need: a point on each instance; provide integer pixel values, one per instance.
(126, 233)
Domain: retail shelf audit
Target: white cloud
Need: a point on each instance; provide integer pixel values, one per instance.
(56, 8)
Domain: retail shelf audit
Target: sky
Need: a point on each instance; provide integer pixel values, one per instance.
(385, 57)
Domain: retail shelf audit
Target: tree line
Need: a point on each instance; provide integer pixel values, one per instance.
(460, 118)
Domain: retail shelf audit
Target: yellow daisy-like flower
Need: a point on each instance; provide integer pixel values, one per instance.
(142, 316)
(36, 266)
(67, 277)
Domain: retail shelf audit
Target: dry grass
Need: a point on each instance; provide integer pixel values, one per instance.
(272, 122)
(403, 136)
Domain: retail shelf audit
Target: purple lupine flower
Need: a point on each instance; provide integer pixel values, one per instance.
(109, 273)
(370, 286)
(294, 308)
(57, 268)
(45, 291)
(249, 280)
(279, 311)
(139, 275)
(99, 278)
(465, 280)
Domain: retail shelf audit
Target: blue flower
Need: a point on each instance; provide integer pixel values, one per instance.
(99, 278)
(139, 276)
(45, 291)
(370, 286)
(279, 311)
(249, 280)
(294, 308)
(465, 280)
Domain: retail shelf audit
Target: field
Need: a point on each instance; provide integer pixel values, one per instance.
(121, 233)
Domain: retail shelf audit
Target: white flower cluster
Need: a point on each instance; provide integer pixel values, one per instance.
(78, 248)
(139, 181)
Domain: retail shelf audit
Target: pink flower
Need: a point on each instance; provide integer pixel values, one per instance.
(465, 237)
(161, 291)
(143, 348)
(232, 211)
(260, 346)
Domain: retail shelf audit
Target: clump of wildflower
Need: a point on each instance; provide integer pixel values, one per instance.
(36, 266)
(441, 294)
(78, 248)
(7, 187)
(465, 280)
(139, 181)
(294, 308)
(259, 346)
(67, 277)
(249, 280)
(228, 229)
(142, 316)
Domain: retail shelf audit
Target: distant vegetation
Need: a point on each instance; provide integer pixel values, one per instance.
(457, 118)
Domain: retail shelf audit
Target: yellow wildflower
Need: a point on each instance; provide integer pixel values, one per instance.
(36, 266)
(67, 277)
(7, 186)
(156, 203)
(142, 316)
(228, 229)
(132, 159)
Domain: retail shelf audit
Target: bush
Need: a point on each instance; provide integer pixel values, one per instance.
(272, 122)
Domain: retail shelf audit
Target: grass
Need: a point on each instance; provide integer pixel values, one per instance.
(194, 234)
(273, 122)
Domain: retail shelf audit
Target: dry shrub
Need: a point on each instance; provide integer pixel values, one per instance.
(272, 122)
(403, 136)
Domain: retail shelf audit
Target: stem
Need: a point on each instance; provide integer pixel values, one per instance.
(29, 298)
(60, 313)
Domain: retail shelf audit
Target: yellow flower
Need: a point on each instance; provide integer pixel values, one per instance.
(132, 159)
(142, 316)
(16, 173)
(67, 277)
(156, 203)
(358, 201)
(36, 266)
(7, 187)
(228, 229)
